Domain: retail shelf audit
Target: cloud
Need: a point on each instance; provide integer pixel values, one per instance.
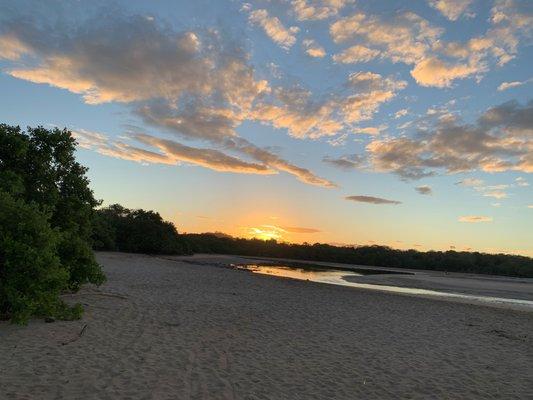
(451, 9)
(296, 229)
(348, 162)
(470, 182)
(434, 72)
(303, 174)
(12, 48)
(312, 49)
(405, 37)
(275, 30)
(520, 181)
(474, 219)
(509, 85)
(119, 58)
(170, 153)
(267, 232)
(197, 85)
(501, 140)
(530, 206)
(356, 54)
(401, 113)
(303, 115)
(371, 200)
(497, 194)
(408, 38)
(424, 189)
(306, 10)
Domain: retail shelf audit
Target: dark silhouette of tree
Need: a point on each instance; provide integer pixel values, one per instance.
(136, 231)
(452, 261)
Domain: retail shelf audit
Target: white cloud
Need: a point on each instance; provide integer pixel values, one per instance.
(404, 38)
(306, 10)
(509, 85)
(312, 49)
(521, 182)
(470, 182)
(275, 30)
(356, 54)
(305, 116)
(434, 72)
(401, 113)
(451, 9)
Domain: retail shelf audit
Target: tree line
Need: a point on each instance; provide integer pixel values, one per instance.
(380, 256)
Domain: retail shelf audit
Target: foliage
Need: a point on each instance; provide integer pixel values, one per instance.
(135, 231)
(38, 172)
(452, 261)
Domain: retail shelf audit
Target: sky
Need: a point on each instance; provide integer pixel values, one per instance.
(406, 124)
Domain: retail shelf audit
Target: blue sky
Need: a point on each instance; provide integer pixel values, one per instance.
(408, 124)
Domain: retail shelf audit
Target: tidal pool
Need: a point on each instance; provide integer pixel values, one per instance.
(339, 277)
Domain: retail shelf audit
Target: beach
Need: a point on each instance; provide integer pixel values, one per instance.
(190, 328)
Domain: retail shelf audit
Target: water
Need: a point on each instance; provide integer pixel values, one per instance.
(338, 277)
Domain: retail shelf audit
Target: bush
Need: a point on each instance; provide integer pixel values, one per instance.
(31, 276)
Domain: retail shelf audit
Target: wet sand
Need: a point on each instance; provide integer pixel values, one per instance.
(189, 329)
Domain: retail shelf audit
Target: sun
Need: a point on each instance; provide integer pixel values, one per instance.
(265, 233)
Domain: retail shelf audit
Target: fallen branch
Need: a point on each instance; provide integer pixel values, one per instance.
(75, 338)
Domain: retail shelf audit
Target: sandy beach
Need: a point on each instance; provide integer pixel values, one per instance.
(187, 328)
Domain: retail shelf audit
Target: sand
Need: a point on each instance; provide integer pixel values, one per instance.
(169, 329)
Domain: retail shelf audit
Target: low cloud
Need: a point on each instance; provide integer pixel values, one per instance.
(474, 219)
(371, 200)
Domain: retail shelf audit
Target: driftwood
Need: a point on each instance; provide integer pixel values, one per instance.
(75, 338)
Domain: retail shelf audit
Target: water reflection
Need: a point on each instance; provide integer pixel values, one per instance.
(338, 277)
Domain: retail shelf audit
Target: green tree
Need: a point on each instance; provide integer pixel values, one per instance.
(38, 167)
(136, 231)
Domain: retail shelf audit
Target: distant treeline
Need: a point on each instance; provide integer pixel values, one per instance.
(381, 256)
(139, 231)
(117, 228)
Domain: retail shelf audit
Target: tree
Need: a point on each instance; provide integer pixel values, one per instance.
(136, 231)
(39, 169)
